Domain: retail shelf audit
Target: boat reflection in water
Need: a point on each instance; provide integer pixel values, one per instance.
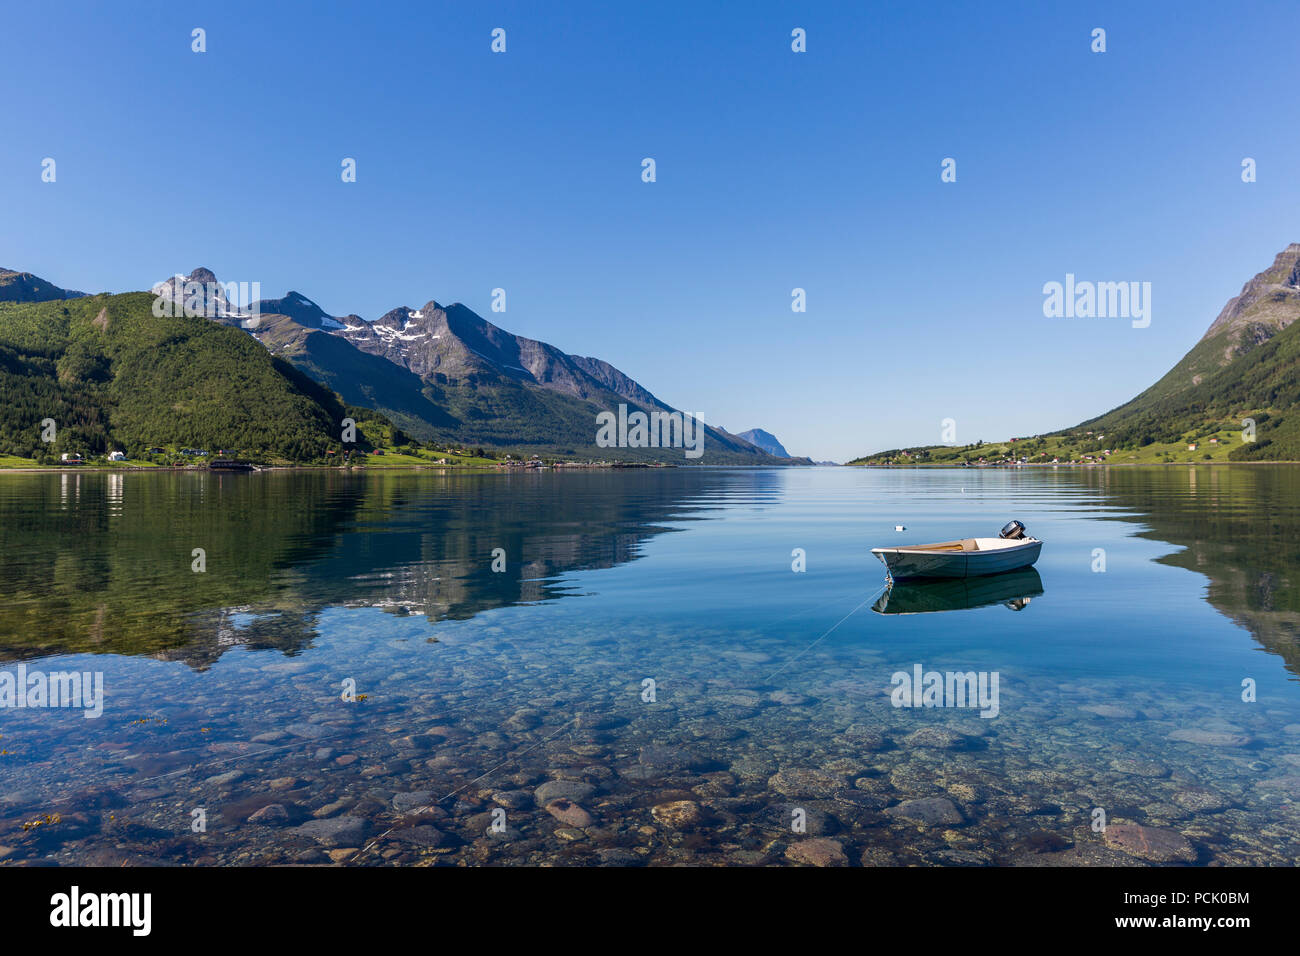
(1014, 589)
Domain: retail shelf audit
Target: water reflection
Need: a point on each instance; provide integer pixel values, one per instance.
(490, 689)
(1235, 525)
(1014, 590)
(107, 563)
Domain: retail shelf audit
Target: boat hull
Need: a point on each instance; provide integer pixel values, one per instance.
(906, 564)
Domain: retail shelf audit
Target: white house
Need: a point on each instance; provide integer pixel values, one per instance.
(117, 456)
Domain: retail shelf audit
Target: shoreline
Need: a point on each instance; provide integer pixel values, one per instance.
(1079, 464)
(583, 466)
(156, 469)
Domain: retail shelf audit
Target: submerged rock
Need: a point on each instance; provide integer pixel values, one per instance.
(931, 811)
(1198, 799)
(679, 814)
(229, 777)
(1289, 783)
(864, 739)
(307, 731)
(782, 816)
(1209, 738)
(938, 738)
(562, 789)
(271, 815)
(817, 851)
(1150, 843)
(512, 799)
(569, 813)
(414, 800)
(336, 831)
(659, 757)
(802, 782)
(421, 836)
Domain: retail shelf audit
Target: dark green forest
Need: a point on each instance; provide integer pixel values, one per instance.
(111, 375)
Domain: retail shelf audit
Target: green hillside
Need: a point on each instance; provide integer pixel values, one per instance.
(1246, 367)
(113, 376)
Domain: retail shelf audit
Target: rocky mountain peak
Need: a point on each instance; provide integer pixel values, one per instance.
(1266, 305)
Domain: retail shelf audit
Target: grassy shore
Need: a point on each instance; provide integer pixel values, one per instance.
(391, 458)
(1212, 446)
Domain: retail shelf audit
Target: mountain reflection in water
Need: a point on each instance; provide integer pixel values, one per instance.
(100, 562)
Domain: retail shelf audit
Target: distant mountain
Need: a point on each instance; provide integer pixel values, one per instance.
(446, 373)
(305, 312)
(439, 372)
(25, 287)
(766, 441)
(453, 343)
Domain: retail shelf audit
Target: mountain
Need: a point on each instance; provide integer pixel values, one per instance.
(1245, 369)
(113, 375)
(447, 374)
(766, 441)
(1247, 365)
(439, 372)
(199, 294)
(305, 312)
(25, 287)
(453, 343)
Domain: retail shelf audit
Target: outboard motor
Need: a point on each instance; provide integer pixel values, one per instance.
(1013, 530)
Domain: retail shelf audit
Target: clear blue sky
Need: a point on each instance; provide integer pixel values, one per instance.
(775, 170)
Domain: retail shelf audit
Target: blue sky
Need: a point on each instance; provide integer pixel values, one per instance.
(775, 170)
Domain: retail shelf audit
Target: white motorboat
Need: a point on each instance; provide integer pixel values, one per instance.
(967, 558)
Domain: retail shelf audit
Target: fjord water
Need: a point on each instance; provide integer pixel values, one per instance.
(649, 658)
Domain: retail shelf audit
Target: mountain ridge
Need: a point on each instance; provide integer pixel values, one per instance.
(442, 373)
(24, 287)
(463, 371)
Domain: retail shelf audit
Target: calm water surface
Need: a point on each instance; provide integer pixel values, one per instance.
(509, 716)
